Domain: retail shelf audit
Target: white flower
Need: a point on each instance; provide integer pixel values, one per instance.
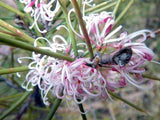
(41, 11)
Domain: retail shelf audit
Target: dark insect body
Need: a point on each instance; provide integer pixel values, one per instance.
(121, 58)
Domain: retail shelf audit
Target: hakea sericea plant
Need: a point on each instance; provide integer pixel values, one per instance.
(117, 58)
(76, 80)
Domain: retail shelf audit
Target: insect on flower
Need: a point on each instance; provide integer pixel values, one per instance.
(121, 58)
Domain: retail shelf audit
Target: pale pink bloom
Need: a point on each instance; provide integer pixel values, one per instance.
(58, 43)
(25, 1)
(114, 80)
(74, 79)
(77, 81)
(42, 66)
(84, 4)
(41, 11)
(29, 5)
(36, 74)
(80, 80)
(132, 73)
(136, 41)
(98, 27)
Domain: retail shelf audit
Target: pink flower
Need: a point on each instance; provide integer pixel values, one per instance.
(98, 26)
(136, 42)
(29, 5)
(80, 80)
(74, 79)
(132, 73)
(41, 11)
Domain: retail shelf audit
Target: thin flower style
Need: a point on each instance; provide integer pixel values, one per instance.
(80, 81)
(86, 3)
(136, 42)
(132, 73)
(42, 11)
(41, 66)
(98, 27)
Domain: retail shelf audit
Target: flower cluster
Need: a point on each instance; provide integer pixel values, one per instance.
(77, 80)
(70, 80)
(42, 11)
(102, 35)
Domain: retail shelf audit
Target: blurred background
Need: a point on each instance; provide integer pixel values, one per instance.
(144, 14)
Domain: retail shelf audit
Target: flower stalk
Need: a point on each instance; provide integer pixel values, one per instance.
(151, 77)
(82, 111)
(116, 7)
(77, 10)
(72, 36)
(127, 102)
(13, 70)
(31, 21)
(103, 8)
(12, 9)
(123, 12)
(15, 105)
(16, 31)
(28, 47)
(54, 109)
(100, 6)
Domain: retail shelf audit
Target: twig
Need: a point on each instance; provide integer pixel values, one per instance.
(77, 10)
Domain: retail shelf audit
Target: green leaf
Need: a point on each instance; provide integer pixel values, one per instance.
(15, 105)
(127, 102)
